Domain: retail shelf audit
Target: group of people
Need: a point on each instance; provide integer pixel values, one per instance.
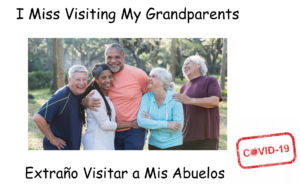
(121, 105)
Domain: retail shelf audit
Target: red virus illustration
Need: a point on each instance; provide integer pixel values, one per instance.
(254, 152)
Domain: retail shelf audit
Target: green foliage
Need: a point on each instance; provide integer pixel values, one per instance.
(40, 54)
(43, 79)
(224, 93)
(39, 79)
(144, 53)
(30, 96)
(145, 58)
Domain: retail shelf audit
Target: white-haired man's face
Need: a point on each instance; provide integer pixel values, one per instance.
(190, 68)
(78, 83)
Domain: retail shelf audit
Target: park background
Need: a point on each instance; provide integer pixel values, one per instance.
(49, 60)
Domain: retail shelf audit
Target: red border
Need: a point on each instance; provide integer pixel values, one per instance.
(263, 136)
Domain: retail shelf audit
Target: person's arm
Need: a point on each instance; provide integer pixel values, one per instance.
(131, 124)
(101, 117)
(45, 129)
(100, 114)
(177, 112)
(212, 100)
(148, 123)
(209, 102)
(91, 103)
(175, 126)
(143, 80)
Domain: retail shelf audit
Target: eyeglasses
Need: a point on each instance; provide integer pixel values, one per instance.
(185, 64)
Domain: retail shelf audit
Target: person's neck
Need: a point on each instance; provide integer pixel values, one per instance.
(105, 92)
(72, 90)
(120, 70)
(193, 76)
(159, 94)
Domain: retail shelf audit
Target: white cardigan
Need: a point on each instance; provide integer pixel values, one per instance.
(100, 132)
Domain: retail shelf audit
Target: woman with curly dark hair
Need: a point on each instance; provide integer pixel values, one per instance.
(101, 124)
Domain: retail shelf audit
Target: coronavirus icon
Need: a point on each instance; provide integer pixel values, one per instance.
(253, 152)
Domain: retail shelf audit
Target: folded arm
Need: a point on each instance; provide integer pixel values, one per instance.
(145, 122)
(177, 112)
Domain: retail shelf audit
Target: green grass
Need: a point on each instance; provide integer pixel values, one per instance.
(179, 83)
(35, 137)
(223, 125)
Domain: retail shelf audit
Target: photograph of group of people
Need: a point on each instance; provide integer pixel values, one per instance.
(123, 108)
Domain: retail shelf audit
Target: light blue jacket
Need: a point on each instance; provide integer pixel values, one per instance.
(170, 110)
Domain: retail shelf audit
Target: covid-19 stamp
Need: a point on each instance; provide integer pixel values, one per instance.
(266, 150)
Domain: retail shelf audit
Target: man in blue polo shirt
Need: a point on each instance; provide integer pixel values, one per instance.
(59, 119)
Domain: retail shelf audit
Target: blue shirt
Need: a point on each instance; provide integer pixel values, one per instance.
(62, 114)
(170, 110)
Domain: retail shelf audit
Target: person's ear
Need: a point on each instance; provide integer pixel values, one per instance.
(69, 79)
(96, 80)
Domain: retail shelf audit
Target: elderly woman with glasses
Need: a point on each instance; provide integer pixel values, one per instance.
(160, 113)
(200, 98)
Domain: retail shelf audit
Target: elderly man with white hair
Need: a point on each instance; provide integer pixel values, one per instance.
(200, 98)
(59, 119)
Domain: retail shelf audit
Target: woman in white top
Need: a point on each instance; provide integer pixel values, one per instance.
(101, 124)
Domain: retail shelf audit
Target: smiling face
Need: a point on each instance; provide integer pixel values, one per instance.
(115, 60)
(190, 68)
(104, 81)
(78, 82)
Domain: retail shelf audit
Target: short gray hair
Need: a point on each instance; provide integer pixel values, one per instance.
(165, 77)
(117, 46)
(197, 60)
(77, 68)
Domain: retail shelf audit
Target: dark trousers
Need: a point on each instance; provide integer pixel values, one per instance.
(151, 147)
(132, 139)
(205, 144)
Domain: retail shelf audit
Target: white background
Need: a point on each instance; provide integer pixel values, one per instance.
(263, 86)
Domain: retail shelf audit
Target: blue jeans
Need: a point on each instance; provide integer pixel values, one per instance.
(132, 139)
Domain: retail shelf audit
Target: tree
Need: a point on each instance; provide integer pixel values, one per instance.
(224, 64)
(154, 50)
(210, 49)
(39, 55)
(173, 58)
(179, 54)
(136, 47)
(58, 78)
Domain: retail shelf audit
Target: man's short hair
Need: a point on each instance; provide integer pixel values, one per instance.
(77, 68)
(117, 46)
